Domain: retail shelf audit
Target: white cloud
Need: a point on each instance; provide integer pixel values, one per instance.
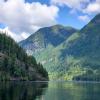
(85, 6)
(24, 35)
(16, 37)
(21, 17)
(93, 8)
(84, 18)
(74, 4)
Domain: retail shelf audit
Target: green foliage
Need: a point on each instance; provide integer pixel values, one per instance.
(16, 64)
(65, 56)
(78, 56)
(42, 45)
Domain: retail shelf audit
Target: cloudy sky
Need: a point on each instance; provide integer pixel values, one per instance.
(20, 18)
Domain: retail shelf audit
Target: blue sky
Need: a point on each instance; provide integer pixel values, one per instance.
(21, 18)
(65, 17)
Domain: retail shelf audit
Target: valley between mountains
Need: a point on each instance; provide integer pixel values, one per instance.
(67, 53)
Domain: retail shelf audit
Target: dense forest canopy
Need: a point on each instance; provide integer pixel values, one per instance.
(16, 64)
(77, 57)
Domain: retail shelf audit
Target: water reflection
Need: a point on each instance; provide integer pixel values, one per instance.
(21, 90)
(73, 91)
(55, 91)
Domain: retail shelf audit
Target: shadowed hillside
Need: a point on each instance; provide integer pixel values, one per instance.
(16, 65)
(77, 57)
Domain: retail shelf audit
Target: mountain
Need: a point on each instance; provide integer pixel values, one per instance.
(15, 64)
(42, 44)
(82, 52)
(77, 57)
(48, 36)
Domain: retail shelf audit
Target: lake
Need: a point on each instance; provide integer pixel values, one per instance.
(49, 91)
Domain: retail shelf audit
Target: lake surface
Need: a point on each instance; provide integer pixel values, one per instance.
(49, 91)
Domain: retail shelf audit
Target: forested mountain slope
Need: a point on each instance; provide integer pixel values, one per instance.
(83, 51)
(45, 37)
(77, 57)
(16, 65)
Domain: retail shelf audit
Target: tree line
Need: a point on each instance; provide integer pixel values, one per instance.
(14, 62)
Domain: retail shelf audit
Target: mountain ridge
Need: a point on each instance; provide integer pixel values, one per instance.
(15, 64)
(53, 35)
(77, 57)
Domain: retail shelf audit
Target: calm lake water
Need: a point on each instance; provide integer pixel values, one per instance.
(49, 91)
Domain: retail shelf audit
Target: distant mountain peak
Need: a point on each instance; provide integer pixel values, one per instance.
(75, 56)
(53, 35)
(61, 26)
(95, 22)
(96, 19)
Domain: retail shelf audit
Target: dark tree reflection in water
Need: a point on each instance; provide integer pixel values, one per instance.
(52, 91)
(21, 90)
